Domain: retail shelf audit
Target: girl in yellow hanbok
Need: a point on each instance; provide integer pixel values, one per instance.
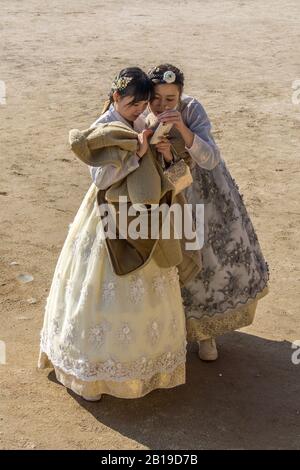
(102, 333)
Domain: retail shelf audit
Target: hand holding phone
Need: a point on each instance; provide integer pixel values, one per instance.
(161, 131)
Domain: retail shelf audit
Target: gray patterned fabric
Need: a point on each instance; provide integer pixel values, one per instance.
(234, 270)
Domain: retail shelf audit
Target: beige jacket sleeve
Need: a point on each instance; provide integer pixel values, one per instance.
(105, 176)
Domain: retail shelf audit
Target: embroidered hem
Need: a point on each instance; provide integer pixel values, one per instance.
(132, 388)
(216, 325)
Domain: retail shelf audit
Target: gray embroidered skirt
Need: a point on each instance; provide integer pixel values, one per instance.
(234, 276)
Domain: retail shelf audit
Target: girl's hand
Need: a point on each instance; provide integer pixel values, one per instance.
(143, 144)
(172, 117)
(164, 147)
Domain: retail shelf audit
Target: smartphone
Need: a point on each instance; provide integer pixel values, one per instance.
(160, 131)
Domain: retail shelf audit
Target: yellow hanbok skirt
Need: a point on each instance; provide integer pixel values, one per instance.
(102, 333)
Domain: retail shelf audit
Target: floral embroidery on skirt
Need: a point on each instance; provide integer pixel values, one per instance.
(110, 334)
(234, 271)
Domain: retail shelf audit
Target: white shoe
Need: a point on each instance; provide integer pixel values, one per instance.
(208, 350)
(96, 398)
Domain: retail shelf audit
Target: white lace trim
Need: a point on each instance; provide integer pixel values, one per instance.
(141, 368)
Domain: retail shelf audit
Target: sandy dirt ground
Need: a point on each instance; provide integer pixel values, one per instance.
(57, 61)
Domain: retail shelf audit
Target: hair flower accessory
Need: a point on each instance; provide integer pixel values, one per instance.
(120, 84)
(169, 76)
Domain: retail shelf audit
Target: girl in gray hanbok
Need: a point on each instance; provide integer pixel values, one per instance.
(224, 295)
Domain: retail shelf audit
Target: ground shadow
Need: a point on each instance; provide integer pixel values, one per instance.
(248, 399)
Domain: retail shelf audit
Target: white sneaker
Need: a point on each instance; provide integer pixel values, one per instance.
(96, 398)
(208, 350)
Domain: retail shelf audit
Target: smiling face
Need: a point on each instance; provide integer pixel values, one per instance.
(126, 107)
(166, 96)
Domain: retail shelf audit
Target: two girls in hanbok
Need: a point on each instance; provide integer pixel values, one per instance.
(106, 334)
(126, 335)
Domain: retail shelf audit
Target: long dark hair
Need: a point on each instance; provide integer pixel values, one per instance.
(139, 86)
